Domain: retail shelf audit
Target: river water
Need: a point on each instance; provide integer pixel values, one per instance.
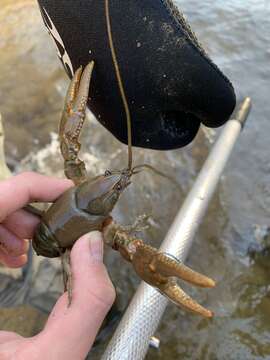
(236, 34)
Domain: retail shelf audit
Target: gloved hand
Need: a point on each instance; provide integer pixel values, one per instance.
(170, 83)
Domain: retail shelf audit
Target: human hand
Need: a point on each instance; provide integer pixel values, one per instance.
(70, 331)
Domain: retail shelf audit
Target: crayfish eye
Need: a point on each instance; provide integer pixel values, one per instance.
(118, 187)
(108, 173)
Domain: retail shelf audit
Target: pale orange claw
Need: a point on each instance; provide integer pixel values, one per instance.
(180, 298)
(158, 269)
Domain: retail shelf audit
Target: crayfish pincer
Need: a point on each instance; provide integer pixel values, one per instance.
(88, 205)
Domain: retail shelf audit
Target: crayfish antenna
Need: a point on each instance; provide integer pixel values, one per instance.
(119, 82)
(157, 172)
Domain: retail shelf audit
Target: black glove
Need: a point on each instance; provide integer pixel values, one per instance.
(170, 83)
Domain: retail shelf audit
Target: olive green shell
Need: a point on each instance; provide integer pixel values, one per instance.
(62, 225)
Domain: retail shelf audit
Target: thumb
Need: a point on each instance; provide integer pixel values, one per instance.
(76, 327)
(91, 284)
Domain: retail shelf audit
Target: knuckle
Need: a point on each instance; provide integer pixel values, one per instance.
(104, 295)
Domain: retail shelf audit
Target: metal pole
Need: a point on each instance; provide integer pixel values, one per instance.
(132, 337)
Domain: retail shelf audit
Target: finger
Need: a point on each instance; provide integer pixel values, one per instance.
(22, 224)
(28, 187)
(93, 295)
(90, 276)
(7, 336)
(9, 344)
(11, 244)
(13, 261)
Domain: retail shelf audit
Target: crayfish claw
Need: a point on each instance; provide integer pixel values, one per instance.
(83, 89)
(180, 298)
(156, 268)
(72, 122)
(69, 100)
(159, 270)
(73, 88)
(167, 265)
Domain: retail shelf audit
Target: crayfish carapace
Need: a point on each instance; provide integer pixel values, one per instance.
(87, 206)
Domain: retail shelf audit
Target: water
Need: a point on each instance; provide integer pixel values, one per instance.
(236, 34)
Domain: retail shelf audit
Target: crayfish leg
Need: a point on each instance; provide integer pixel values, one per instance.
(67, 274)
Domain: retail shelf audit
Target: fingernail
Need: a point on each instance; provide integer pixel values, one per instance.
(96, 246)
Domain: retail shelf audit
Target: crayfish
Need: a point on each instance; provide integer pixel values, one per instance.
(88, 205)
